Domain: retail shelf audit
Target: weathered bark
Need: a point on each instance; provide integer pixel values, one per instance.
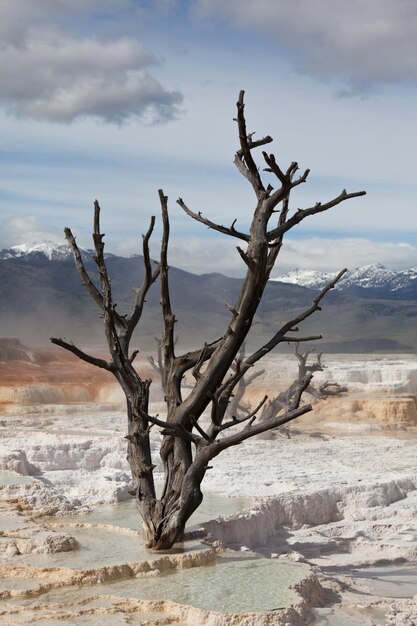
(217, 368)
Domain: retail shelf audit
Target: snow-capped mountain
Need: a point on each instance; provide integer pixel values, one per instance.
(52, 251)
(374, 280)
(306, 278)
(375, 276)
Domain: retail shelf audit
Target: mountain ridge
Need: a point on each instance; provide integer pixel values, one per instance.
(374, 277)
(48, 249)
(371, 276)
(41, 296)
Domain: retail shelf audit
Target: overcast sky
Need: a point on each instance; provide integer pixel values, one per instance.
(116, 98)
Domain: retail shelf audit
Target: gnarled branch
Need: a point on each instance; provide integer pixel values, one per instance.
(301, 214)
(281, 335)
(149, 279)
(231, 230)
(243, 158)
(88, 358)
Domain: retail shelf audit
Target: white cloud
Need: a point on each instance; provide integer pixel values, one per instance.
(27, 229)
(210, 253)
(199, 255)
(48, 75)
(319, 253)
(203, 255)
(364, 42)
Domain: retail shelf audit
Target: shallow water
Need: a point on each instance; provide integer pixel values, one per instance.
(126, 514)
(388, 582)
(391, 581)
(238, 583)
(100, 547)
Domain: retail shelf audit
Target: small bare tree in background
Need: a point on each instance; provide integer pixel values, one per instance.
(187, 448)
(239, 406)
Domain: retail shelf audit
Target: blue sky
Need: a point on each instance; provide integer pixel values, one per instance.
(117, 98)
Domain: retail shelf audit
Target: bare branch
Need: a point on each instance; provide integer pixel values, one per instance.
(99, 259)
(300, 339)
(302, 360)
(79, 264)
(299, 390)
(301, 214)
(236, 391)
(243, 159)
(187, 361)
(173, 430)
(286, 179)
(258, 142)
(279, 337)
(133, 355)
(81, 355)
(231, 230)
(249, 262)
(231, 309)
(250, 379)
(273, 420)
(117, 346)
(225, 391)
(201, 359)
(274, 168)
(250, 416)
(159, 366)
(200, 430)
(301, 179)
(149, 279)
(257, 429)
(169, 318)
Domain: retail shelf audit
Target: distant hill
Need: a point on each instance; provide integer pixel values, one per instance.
(41, 296)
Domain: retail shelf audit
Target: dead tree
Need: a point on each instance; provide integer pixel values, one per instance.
(283, 401)
(326, 388)
(187, 448)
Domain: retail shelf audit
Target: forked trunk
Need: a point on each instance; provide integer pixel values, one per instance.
(163, 519)
(171, 524)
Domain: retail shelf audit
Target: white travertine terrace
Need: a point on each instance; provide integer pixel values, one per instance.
(339, 496)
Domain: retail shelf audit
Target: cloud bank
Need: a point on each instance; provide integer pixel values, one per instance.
(48, 74)
(202, 255)
(207, 255)
(366, 43)
(320, 253)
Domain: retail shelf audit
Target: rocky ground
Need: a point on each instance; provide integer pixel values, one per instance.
(339, 495)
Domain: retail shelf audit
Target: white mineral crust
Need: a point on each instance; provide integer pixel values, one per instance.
(332, 498)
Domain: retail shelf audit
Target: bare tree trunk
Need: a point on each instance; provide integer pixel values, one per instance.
(140, 459)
